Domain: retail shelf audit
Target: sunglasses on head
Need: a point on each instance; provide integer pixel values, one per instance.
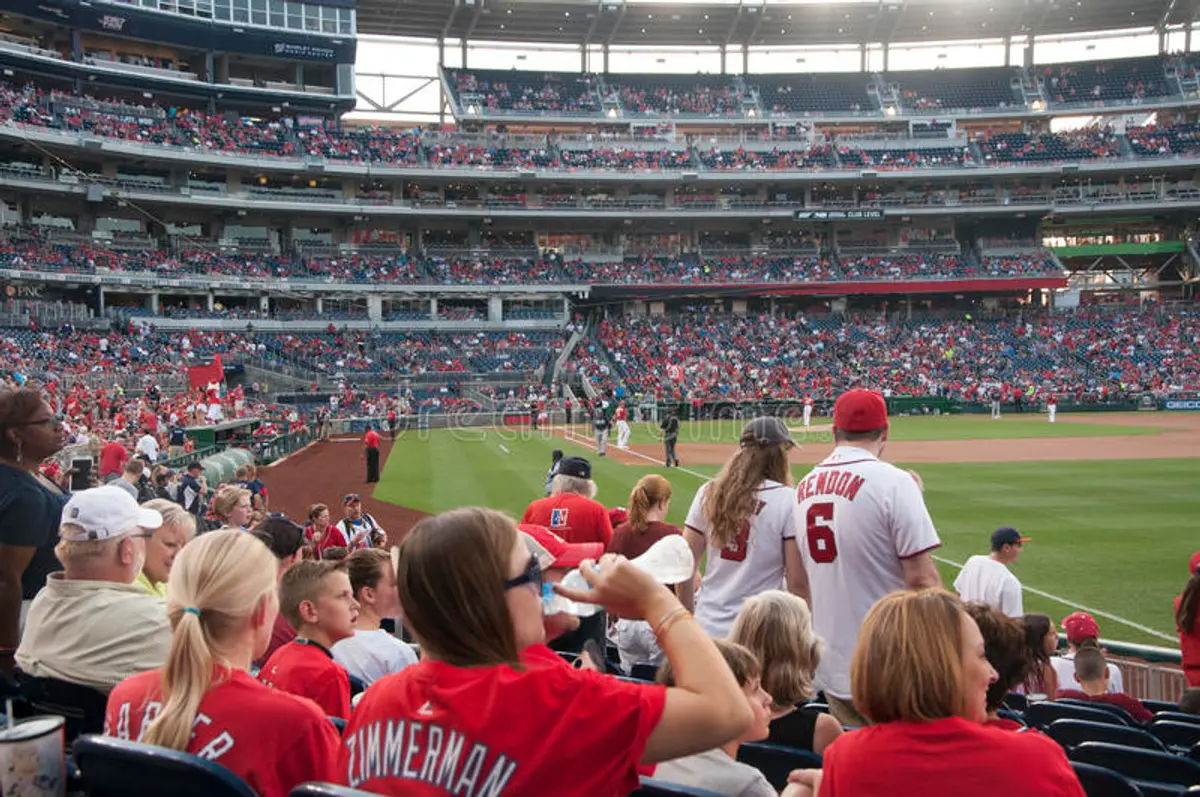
(532, 576)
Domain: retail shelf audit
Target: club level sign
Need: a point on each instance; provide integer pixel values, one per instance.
(838, 215)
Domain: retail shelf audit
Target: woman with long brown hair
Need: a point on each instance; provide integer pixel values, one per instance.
(743, 520)
(1187, 613)
(30, 508)
(489, 704)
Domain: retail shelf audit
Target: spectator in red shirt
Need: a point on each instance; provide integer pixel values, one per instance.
(221, 605)
(285, 539)
(571, 511)
(318, 602)
(371, 453)
(113, 457)
(920, 673)
(1187, 607)
(1091, 671)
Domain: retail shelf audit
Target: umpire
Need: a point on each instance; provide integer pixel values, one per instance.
(601, 423)
(670, 430)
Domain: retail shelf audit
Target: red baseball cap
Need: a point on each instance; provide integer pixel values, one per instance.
(1194, 563)
(618, 515)
(551, 550)
(1080, 626)
(860, 411)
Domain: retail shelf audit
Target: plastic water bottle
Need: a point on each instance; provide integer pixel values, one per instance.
(668, 561)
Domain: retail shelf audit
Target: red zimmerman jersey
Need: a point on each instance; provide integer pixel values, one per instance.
(434, 729)
(308, 670)
(575, 518)
(271, 740)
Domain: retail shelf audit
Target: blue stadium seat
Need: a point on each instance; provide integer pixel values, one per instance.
(660, 788)
(1015, 701)
(818, 706)
(775, 761)
(1177, 716)
(1178, 735)
(1109, 707)
(316, 789)
(643, 672)
(1040, 715)
(1014, 716)
(116, 768)
(338, 723)
(1155, 706)
(1149, 770)
(1069, 733)
(357, 685)
(81, 706)
(1102, 782)
(1194, 753)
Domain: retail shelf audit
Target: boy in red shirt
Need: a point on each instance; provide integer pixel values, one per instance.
(318, 602)
(1091, 671)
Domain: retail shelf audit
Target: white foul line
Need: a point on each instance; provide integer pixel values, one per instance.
(583, 441)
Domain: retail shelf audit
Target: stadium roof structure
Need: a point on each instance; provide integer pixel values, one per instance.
(708, 23)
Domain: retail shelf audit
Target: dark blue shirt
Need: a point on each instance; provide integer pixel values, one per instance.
(30, 513)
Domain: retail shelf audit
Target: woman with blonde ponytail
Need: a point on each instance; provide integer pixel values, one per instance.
(221, 603)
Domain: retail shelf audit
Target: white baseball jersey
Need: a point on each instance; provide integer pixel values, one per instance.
(856, 518)
(984, 580)
(751, 563)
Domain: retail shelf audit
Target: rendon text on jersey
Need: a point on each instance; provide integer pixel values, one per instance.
(830, 482)
(398, 757)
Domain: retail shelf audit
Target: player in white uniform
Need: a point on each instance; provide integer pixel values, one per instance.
(808, 410)
(622, 418)
(743, 519)
(863, 531)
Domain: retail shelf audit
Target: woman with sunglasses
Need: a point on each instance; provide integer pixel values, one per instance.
(30, 508)
(484, 710)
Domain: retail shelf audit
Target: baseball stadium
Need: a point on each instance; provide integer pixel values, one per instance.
(321, 319)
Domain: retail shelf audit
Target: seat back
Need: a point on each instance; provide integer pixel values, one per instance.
(1176, 734)
(1041, 715)
(1109, 707)
(1136, 764)
(115, 768)
(1177, 716)
(1014, 716)
(1069, 733)
(1101, 782)
(357, 685)
(1015, 701)
(643, 672)
(81, 706)
(1155, 706)
(316, 789)
(655, 788)
(775, 761)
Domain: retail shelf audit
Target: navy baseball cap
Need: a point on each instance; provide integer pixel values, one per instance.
(575, 466)
(1007, 535)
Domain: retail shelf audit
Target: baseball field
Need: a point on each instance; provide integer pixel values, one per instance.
(1110, 500)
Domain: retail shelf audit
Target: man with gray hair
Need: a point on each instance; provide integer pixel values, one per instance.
(91, 625)
(571, 511)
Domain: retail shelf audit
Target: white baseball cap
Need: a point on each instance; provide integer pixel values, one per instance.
(102, 513)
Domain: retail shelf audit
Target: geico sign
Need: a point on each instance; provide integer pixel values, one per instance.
(1183, 404)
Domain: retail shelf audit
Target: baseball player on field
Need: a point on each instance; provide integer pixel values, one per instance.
(621, 416)
(1051, 405)
(600, 424)
(743, 520)
(808, 410)
(863, 531)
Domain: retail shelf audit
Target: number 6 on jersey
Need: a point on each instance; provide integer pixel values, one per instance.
(821, 544)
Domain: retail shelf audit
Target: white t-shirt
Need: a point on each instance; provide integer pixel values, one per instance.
(750, 564)
(1064, 667)
(370, 655)
(148, 446)
(856, 518)
(984, 580)
(716, 772)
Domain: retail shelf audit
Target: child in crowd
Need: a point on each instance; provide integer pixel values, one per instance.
(372, 652)
(317, 600)
(1091, 673)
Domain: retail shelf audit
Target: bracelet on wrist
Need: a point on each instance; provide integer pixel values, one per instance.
(669, 619)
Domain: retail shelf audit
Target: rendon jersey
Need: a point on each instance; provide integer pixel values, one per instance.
(856, 518)
(752, 562)
(434, 729)
(272, 740)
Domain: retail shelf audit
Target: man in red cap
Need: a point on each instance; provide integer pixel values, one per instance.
(1187, 622)
(1082, 632)
(863, 531)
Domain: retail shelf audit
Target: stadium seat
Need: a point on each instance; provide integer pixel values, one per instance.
(775, 761)
(1178, 735)
(338, 723)
(1040, 715)
(1069, 733)
(1155, 706)
(315, 789)
(1177, 716)
(1148, 769)
(643, 672)
(1109, 707)
(660, 788)
(1102, 782)
(819, 707)
(357, 685)
(81, 706)
(1016, 701)
(1014, 716)
(1194, 753)
(115, 768)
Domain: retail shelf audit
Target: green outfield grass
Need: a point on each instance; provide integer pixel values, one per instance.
(945, 427)
(1113, 536)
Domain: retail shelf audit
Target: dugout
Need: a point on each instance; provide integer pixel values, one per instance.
(229, 433)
